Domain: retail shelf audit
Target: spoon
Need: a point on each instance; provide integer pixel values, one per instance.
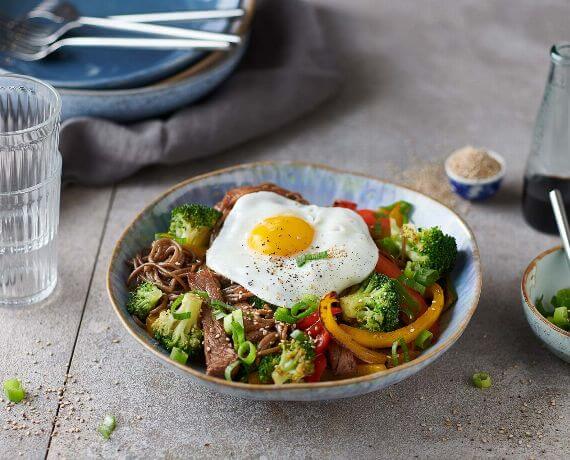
(561, 220)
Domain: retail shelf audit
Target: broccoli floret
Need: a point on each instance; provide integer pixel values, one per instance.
(430, 248)
(181, 333)
(192, 224)
(267, 366)
(143, 299)
(296, 360)
(375, 304)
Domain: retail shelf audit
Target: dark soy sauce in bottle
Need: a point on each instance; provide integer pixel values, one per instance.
(536, 206)
(548, 164)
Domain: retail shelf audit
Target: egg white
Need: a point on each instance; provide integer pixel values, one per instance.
(279, 280)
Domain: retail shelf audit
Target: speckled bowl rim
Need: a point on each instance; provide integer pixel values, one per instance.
(430, 353)
(241, 27)
(488, 180)
(526, 297)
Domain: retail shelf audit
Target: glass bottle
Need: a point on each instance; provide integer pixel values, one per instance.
(548, 164)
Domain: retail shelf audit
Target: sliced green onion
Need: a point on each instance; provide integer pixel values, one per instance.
(404, 346)
(178, 355)
(424, 339)
(238, 334)
(13, 390)
(482, 380)
(107, 426)
(395, 361)
(284, 315)
(247, 352)
(175, 305)
(304, 258)
(560, 317)
(228, 320)
(230, 370)
(305, 307)
(412, 284)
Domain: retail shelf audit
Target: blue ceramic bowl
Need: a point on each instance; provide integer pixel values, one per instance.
(545, 275)
(182, 89)
(476, 189)
(320, 185)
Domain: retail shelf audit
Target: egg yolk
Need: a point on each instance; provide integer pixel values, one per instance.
(281, 236)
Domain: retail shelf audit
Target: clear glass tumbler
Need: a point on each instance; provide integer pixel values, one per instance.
(30, 181)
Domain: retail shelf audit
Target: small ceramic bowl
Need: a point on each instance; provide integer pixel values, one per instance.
(545, 275)
(476, 189)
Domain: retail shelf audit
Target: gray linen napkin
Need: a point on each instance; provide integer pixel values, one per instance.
(287, 71)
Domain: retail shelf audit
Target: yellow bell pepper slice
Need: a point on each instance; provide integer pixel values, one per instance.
(329, 321)
(367, 369)
(408, 333)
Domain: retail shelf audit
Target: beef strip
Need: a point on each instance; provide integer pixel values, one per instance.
(218, 351)
(342, 361)
(231, 196)
(254, 323)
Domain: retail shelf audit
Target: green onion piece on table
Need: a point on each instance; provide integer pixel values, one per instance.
(107, 426)
(247, 352)
(178, 355)
(482, 380)
(13, 390)
(424, 339)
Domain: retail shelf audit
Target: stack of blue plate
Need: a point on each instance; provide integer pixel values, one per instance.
(132, 84)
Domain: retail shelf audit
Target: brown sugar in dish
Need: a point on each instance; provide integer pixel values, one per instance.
(473, 163)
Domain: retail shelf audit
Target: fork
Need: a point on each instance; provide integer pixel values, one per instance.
(65, 17)
(30, 52)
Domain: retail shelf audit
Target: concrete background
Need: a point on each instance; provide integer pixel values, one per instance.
(422, 78)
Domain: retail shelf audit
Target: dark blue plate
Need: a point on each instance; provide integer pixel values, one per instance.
(98, 68)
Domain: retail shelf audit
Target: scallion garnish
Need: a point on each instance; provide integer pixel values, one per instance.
(107, 426)
(175, 304)
(247, 352)
(283, 315)
(482, 380)
(304, 258)
(560, 317)
(13, 390)
(424, 339)
(178, 355)
(305, 307)
(404, 346)
(230, 369)
(410, 301)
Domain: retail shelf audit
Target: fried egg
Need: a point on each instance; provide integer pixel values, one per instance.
(265, 233)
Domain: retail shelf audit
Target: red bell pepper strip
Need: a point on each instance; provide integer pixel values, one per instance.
(368, 215)
(345, 204)
(320, 365)
(321, 337)
(307, 322)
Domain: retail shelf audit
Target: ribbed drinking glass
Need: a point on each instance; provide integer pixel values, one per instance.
(30, 180)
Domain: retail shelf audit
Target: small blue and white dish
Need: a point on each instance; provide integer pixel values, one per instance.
(544, 276)
(476, 189)
(320, 185)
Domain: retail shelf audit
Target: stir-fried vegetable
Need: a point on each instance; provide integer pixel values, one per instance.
(409, 333)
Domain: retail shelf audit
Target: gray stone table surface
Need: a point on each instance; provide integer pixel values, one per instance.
(422, 78)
